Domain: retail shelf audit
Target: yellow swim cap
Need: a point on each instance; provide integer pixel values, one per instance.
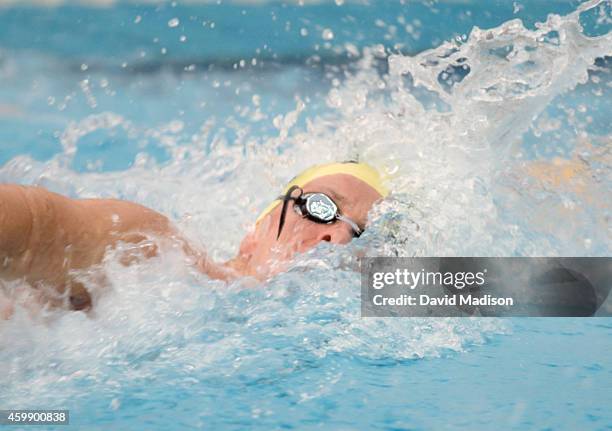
(361, 171)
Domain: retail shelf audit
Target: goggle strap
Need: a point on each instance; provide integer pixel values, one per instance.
(350, 222)
(286, 200)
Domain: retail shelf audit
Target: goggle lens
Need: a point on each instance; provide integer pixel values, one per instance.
(317, 207)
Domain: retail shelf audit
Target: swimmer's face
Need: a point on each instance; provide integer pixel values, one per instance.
(265, 254)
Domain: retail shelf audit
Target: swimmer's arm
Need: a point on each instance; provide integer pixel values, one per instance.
(15, 226)
(131, 223)
(44, 235)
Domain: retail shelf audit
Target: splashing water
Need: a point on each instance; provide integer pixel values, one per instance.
(481, 160)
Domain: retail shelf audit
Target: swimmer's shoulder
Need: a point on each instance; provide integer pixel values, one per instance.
(123, 213)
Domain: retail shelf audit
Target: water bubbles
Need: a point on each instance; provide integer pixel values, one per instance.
(138, 19)
(174, 22)
(303, 32)
(115, 404)
(86, 88)
(176, 126)
(334, 99)
(379, 51)
(327, 34)
(351, 49)
(183, 38)
(516, 7)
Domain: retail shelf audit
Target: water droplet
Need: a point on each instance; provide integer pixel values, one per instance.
(304, 32)
(327, 34)
(176, 126)
(174, 22)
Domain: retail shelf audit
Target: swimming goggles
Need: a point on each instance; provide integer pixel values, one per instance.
(317, 207)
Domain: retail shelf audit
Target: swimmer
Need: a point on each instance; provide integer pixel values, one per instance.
(46, 238)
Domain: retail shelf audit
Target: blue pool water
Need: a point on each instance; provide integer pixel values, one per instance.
(495, 135)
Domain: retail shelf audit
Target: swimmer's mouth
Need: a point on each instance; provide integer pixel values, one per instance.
(317, 207)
